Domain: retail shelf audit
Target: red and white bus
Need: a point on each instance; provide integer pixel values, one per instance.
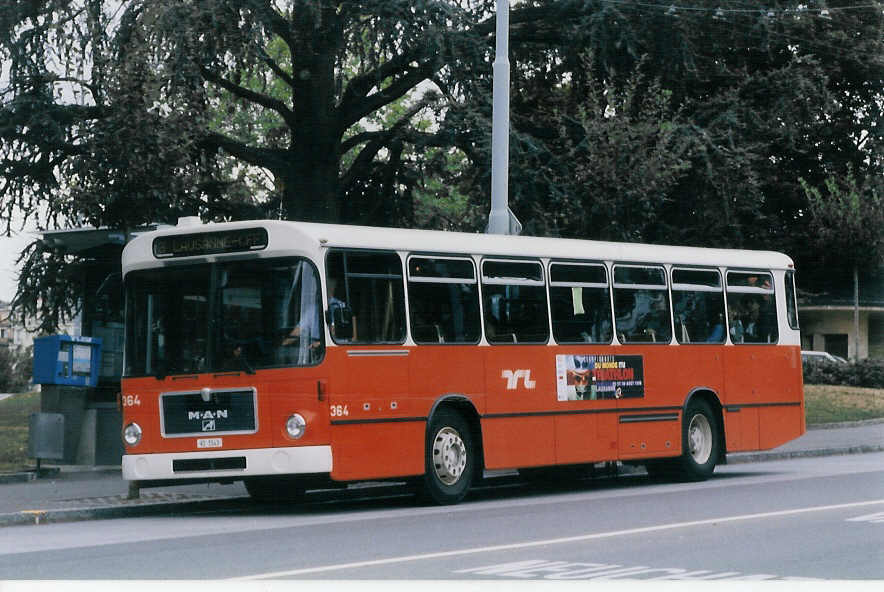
(283, 352)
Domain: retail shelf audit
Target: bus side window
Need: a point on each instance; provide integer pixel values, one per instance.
(791, 302)
(752, 307)
(641, 304)
(698, 306)
(514, 302)
(366, 297)
(443, 299)
(581, 303)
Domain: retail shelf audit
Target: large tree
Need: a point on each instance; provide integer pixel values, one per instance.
(631, 120)
(125, 113)
(137, 114)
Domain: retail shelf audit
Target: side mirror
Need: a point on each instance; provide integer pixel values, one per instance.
(340, 322)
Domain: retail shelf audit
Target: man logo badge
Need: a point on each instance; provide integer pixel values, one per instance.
(208, 425)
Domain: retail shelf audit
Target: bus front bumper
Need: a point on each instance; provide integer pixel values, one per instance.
(227, 464)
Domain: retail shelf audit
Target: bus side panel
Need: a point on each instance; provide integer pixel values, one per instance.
(513, 442)
(517, 430)
(764, 382)
(650, 439)
(377, 428)
(439, 370)
(377, 450)
(778, 425)
(585, 438)
(733, 428)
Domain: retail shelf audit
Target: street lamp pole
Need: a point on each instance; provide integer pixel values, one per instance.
(501, 220)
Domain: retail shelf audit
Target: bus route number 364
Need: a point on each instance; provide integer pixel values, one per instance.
(339, 410)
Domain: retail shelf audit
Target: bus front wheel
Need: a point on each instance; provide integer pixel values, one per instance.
(449, 458)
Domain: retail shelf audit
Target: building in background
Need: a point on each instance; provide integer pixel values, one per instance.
(826, 310)
(12, 335)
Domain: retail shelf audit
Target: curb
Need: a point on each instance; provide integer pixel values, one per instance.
(23, 477)
(37, 517)
(845, 424)
(748, 457)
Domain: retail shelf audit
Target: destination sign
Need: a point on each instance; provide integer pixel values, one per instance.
(209, 243)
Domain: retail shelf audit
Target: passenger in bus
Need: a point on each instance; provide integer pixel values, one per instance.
(735, 321)
(717, 333)
(307, 328)
(752, 330)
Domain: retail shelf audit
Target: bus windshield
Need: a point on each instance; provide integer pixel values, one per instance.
(231, 316)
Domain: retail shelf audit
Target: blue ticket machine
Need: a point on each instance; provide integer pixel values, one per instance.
(66, 360)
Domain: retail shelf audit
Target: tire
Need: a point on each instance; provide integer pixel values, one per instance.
(275, 490)
(450, 458)
(701, 442)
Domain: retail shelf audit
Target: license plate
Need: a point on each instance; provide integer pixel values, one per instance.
(208, 443)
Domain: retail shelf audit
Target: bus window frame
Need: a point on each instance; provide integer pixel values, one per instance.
(685, 287)
(213, 263)
(666, 288)
(402, 265)
(512, 281)
(790, 292)
(608, 285)
(430, 280)
(751, 290)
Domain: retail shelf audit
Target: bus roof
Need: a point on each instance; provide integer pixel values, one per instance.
(310, 238)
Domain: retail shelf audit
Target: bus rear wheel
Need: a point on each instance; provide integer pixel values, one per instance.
(700, 442)
(701, 447)
(275, 490)
(450, 458)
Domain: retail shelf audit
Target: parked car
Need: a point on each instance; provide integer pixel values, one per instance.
(821, 356)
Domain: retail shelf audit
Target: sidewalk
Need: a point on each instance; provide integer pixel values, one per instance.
(85, 493)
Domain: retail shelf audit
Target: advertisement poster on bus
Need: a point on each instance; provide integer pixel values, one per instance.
(588, 378)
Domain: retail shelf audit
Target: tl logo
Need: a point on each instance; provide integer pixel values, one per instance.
(512, 379)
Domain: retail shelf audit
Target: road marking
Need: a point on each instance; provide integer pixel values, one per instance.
(565, 570)
(875, 518)
(557, 541)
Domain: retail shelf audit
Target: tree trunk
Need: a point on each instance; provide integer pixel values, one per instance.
(310, 183)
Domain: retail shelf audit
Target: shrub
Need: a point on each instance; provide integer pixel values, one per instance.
(865, 373)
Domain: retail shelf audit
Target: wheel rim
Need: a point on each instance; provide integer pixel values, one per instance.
(700, 439)
(449, 455)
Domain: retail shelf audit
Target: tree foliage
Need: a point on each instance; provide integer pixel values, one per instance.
(631, 120)
(16, 368)
(720, 109)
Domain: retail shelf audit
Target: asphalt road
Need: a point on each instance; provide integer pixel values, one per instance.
(807, 518)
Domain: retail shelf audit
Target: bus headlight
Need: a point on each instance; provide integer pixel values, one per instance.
(295, 425)
(132, 434)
